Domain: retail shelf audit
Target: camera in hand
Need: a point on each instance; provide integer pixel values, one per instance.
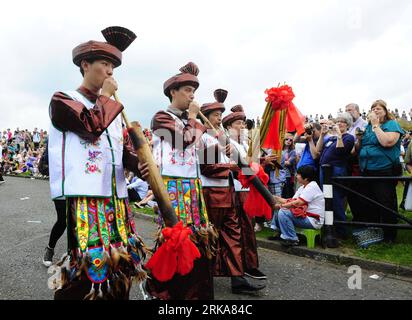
(359, 131)
(309, 130)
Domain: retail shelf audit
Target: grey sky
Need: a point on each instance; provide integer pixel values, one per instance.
(331, 52)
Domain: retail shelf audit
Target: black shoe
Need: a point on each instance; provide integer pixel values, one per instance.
(275, 237)
(48, 257)
(289, 243)
(255, 274)
(245, 287)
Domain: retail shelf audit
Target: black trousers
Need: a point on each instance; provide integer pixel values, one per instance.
(133, 195)
(60, 225)
(383, 192)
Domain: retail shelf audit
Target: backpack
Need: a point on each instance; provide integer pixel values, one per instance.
(44, 162)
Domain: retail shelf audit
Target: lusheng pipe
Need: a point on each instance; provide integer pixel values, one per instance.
(155, 180)
(244, 166)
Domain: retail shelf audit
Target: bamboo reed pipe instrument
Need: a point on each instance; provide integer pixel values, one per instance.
(121, 38)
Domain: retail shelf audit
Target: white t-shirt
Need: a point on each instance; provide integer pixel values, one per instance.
(299, 147)
(36, 137)
(315, 200)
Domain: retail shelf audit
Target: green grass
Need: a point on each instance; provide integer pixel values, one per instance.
(399, 253)
(148, 211)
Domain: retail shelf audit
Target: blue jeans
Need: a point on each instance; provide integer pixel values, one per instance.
(286, 222)
(338, 198)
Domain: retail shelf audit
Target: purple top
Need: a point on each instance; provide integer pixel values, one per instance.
(336, 156)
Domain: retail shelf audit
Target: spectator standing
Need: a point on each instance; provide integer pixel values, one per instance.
(358, 122)
(379, 151)
(27, 140)
(1, 163)
(396, 113)
(44, 139)
(404, 117)
(310, 138)
(289, 165)
(9, 136)
(335, 151)
(359, 125)
(408, 167)
(36, 139)
(406, 140)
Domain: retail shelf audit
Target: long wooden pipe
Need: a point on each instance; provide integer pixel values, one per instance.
(244, 166)
(155, 180)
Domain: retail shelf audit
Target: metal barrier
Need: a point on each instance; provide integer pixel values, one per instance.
(335, 182)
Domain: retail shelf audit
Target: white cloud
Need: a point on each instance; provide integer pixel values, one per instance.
(331, 52)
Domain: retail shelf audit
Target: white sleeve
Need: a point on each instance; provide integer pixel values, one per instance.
(308, 193)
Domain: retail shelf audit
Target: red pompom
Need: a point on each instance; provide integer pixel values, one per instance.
(175, 255)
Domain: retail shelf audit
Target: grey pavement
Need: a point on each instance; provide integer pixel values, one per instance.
(27, 216)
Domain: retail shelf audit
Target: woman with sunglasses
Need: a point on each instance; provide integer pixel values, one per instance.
(289, 165)
(282, 184)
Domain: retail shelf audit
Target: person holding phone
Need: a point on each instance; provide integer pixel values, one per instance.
(335, 151)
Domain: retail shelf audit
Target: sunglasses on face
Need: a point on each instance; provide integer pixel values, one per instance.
(288, 139)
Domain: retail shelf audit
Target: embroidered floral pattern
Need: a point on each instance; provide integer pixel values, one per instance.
(181, 158)
(92, 168)
(95, 156)
(92, 165)
(88, 144)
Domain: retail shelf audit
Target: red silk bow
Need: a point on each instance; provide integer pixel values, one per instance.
(175, 255)
(280, 98)
(255, 205)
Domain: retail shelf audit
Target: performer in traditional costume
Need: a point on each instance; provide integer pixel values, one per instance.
(88, 152)
(176, 136)
(219, 197)
(235, 125)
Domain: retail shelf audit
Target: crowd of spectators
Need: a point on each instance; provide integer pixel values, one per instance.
(20, 151)
(353, 143)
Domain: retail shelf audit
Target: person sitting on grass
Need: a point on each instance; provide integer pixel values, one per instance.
(148, 201)
(305, 210)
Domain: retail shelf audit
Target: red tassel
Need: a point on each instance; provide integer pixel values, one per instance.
(255, 205)
(175, 255)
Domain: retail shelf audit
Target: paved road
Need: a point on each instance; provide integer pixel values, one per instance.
(25, 225)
